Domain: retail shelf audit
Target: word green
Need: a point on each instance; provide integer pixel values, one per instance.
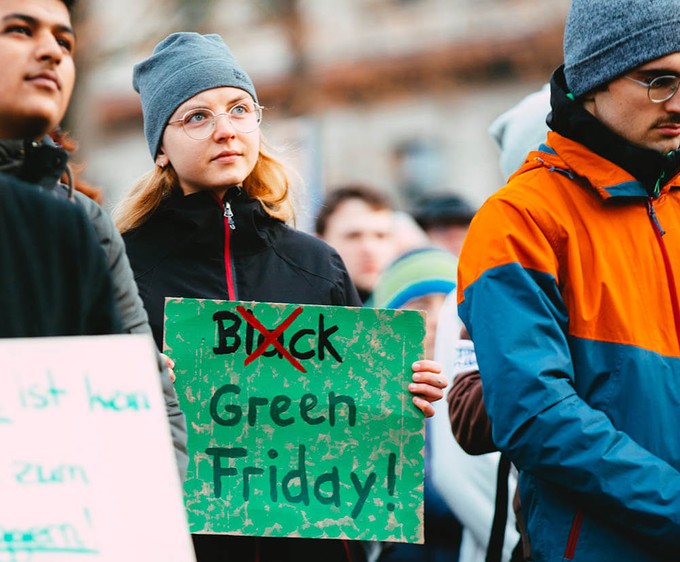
(279, 405)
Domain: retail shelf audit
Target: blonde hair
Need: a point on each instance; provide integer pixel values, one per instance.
(269, 183)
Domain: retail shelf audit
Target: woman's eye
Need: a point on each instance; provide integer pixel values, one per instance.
(196, 118)
(239, 110)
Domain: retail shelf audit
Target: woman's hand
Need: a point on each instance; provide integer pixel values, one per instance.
(171, 365)
(428, 385)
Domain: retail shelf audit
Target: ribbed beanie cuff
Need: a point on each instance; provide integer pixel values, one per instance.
(181, 66)
(417, 273)
(604, 39)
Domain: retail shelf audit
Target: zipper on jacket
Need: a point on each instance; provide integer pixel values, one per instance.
(229, 225)
(652, 215)
(672, 287)
(573, 536)
(229, 215)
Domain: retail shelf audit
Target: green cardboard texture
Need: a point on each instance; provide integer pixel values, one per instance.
(300, 421)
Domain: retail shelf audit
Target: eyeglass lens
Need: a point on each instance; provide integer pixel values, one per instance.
(662, 88)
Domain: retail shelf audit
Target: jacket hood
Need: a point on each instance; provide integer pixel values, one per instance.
(571, 120)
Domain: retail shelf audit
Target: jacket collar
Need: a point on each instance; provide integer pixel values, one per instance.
(253, 226)
(646, 170)
(42, 163)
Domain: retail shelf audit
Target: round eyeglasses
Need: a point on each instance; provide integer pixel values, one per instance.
(199, 123)
(659, 89)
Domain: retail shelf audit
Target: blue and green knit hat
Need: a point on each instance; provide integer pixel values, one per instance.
(417, 273)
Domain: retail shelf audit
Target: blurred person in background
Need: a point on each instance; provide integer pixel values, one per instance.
(521, 129)
(569, 291)
(358, 221)
(420, 279)
(209, 221)
(466, 483)
(467, 477)
(445, 218)
(38, 78)
(407, 233)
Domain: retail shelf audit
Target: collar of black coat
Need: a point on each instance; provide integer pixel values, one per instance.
(42, 163)
(570, 119)
(254, 228)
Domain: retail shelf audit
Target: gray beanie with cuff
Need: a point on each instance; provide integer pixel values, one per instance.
(604, 39)
(181, 66)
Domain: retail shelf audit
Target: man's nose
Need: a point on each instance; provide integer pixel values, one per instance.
(48, 47)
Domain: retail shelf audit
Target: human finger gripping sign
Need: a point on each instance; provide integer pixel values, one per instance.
(300, 422)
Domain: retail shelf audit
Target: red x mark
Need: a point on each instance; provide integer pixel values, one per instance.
(270, 337)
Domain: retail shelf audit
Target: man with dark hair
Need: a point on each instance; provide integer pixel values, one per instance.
(37, 44)
(357, 220)
(55, 281)
(569, 287)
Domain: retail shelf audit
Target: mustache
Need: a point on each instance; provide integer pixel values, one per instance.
(672, 118)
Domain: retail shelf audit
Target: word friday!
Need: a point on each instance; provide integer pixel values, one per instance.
(295, 484)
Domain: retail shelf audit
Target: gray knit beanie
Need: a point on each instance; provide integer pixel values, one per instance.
(181, 66)
(604, 39)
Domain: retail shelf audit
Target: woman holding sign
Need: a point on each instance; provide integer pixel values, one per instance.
(209, 221)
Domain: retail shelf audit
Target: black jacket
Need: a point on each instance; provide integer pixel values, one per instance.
(55, 281)
(188, 249)
(182, 251)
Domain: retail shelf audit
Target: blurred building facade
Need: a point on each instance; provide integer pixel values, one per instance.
(395, 93)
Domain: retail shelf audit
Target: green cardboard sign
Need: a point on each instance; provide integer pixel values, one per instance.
(300, 421)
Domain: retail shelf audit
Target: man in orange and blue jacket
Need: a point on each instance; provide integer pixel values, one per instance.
(569, 285)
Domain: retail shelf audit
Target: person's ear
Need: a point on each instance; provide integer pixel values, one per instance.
(162, 160)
